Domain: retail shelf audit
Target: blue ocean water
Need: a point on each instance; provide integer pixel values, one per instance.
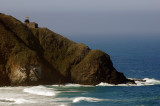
(135, 56)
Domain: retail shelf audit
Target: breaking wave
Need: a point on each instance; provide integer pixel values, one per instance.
(143, 82)
(72, 85)
(88, 99)
(15, 100)
(148, 81)
(40, 90)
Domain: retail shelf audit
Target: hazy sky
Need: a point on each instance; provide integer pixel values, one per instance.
(82, 17)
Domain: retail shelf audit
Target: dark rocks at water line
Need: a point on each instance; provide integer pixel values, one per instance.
(141, 80)
(33, 56)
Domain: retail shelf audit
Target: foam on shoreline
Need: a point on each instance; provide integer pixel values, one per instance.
(142, 82)
(16, 100)
(87, 99)
(40, 90)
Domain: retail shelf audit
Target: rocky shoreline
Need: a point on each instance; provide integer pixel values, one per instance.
(34, 56)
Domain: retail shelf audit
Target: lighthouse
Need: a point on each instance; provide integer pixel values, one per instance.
(30, 24)
(26, 20)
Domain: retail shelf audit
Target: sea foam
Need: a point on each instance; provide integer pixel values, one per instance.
(68, 85)
(143, 82)
(88, 99)
(148, 81)
(16, 100)
(40, 90)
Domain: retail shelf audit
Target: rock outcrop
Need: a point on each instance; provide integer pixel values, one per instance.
(32, 56)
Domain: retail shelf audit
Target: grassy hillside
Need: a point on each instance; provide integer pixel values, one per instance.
(30, 56)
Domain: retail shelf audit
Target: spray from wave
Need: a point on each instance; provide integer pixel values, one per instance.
(148, 81)
(143, 82)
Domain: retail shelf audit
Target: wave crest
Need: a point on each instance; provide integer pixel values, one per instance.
(143, 82)
(88, 99)
(40, 90)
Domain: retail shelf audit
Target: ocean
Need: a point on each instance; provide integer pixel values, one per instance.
(136, 56)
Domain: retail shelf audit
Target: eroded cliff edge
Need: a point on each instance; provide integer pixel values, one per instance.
(32, 56)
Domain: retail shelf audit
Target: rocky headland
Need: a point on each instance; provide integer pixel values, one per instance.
(34, 56)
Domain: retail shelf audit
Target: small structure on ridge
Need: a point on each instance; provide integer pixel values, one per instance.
(30, 24)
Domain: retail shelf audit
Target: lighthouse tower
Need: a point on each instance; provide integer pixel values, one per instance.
(26, 20)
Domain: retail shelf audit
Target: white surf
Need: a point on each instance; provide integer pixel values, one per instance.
(40, 90)
(143, 82)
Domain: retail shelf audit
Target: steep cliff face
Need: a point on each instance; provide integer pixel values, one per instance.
(30, 56)
(21, 59)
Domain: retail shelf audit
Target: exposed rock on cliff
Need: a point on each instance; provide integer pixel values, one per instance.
(30, 56)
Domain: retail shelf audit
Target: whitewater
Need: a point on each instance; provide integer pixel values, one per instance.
(64, 95)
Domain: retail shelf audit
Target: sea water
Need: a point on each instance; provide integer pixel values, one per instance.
(137, 57)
